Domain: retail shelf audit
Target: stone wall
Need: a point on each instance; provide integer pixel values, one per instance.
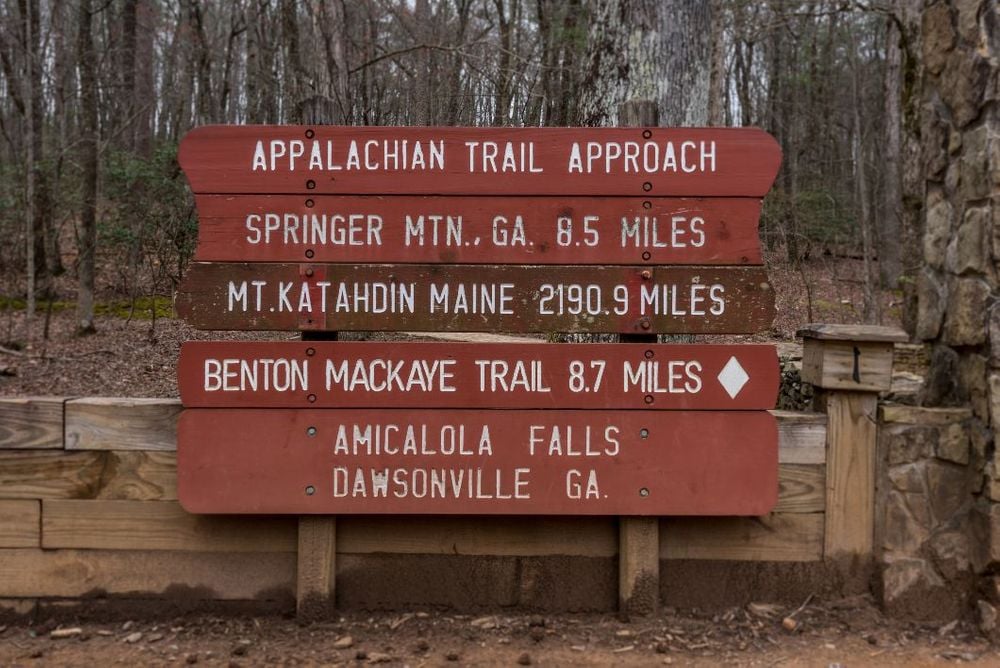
(930, 543)
(942, 485)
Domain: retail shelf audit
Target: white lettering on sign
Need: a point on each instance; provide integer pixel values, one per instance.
(503, 376)
(674, 300)
(474, 298)
(508, 230)
(578, 488)
(559, 441)
(391, 375)
(505, 234)
(243, 375)
(501, 157)
(674, 377)
(352, 229)
(412, 440)
(482, 157)
(392, 155)
(589, 301)
(442, 228)
(645, 232)
(433, 483)
(648, 157)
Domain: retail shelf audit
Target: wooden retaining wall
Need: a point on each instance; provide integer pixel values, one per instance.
(88, 508)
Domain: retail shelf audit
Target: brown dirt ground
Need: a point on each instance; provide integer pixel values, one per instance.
(849, 632)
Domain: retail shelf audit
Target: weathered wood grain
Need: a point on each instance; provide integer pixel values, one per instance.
(316, 571)
(775, 537)
(158, 525)
(137, 475)
(802, 488)
(478, 230)
(850, 500)
(638, 565)
(502, 536)
(26, 573)
(227, 374)
(108, 423)
(801, 437)
(862, 333)
(927, 415)
(32, 423)
(50, 474)
(518, 298)
(847, 365)
(20, 523)
(220, 159)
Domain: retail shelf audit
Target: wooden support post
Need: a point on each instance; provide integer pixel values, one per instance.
(850, 474)
(638, 537)
(850, 365)
(638, 565)
(316, 578)
(315, 581)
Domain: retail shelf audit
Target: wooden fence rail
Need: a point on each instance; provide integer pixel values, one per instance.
(88, 506)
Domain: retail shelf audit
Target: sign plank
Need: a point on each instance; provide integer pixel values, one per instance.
(229, 159)
(226, 374)
(477, 462)
(512, 298)
(478, 230)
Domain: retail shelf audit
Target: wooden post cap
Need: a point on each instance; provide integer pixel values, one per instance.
(860, 333)
(856, 358)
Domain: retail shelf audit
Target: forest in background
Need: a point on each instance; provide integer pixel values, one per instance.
(96, 94)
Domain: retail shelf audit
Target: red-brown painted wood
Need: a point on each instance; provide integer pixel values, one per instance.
(478, 230)
(232, 374)
(275, 461)
(221, 159)
(519, 298)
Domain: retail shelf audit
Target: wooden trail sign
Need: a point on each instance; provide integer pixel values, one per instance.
(629, 230)
(730, 162)
(476, 298)
(474, 375)
(477, 462)
(478, 230)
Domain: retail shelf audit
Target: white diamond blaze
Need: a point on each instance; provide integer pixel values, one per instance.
(733, 377)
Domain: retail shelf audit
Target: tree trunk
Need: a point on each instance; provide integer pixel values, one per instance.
(144, 91)
(912, 178)
(871, 310)
(333, 26)
(890, 228)
(717, 78)
(41, 202)
(684, 48)
(502, 99)
(88, 159)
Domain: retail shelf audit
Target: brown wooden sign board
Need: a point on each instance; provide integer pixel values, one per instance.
(477, 462)
(478, 230)
(476, 298)
(293, 374)
(730, 162)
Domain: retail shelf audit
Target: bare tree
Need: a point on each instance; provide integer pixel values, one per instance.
(87, 237)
